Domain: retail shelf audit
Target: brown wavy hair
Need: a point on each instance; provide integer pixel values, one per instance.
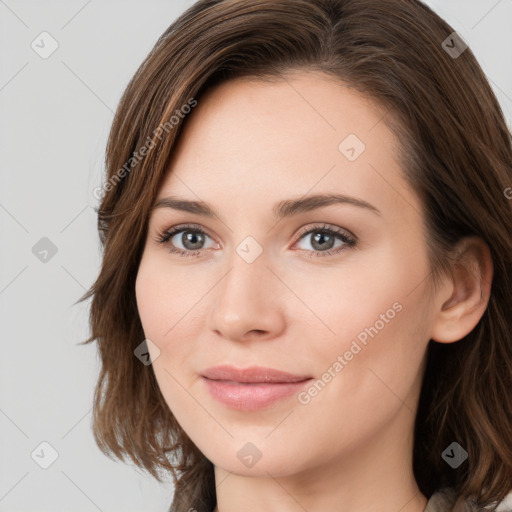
(456, 152)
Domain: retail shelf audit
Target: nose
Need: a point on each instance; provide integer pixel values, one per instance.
(247, 303)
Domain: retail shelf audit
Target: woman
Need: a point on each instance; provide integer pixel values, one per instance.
(305, 295)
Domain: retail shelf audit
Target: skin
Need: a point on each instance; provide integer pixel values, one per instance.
(245, 147)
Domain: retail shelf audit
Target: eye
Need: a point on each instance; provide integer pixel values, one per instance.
(191, 237)
(324, 240)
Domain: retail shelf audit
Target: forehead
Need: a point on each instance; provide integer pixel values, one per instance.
(247, 141)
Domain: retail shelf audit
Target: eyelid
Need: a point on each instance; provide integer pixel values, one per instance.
(325, 227)
(170, 231)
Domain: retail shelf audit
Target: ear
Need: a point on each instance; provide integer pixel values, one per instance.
(464, 299)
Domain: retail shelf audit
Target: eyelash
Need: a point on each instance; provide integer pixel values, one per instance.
(164, 237)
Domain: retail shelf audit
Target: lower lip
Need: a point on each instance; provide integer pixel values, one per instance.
(251, 396)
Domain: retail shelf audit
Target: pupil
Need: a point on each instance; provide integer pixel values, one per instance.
(190, 237)
(321, 237)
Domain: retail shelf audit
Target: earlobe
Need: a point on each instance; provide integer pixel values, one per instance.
(469, 290)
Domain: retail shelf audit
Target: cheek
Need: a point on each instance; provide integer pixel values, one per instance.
(171, 310)
(148, 292)
(369, 372)
(162, 296)
(377, 320)
(369, 292)
(164, 320)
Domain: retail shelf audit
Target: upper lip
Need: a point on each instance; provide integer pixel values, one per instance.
(252, 374)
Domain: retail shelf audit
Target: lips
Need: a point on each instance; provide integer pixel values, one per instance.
(254, 374)
(251, 389)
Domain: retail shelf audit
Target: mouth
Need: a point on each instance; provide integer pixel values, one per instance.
(254, 375)
(252, 388)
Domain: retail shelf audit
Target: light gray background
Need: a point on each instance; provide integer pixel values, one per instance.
(55, 117)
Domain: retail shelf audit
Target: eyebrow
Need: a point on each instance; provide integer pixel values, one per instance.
(286, 208)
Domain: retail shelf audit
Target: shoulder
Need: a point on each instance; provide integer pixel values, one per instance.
(444, 499)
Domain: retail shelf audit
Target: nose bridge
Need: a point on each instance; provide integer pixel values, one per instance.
(245, 300)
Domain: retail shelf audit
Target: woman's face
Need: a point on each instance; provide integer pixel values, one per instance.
(333, 291)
